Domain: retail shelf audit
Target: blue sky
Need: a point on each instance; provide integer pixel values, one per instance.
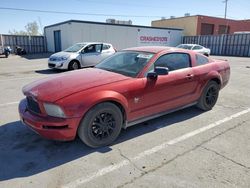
(152, 10)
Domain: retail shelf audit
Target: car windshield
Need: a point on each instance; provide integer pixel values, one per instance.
(128, 63)
(75, 48)
(184, 46)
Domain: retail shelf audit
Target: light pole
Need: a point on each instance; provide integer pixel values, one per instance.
(225, 16)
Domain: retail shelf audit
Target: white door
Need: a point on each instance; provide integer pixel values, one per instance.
(91, 55)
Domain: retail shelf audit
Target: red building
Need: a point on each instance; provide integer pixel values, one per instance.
(204, 25)
(216, 26)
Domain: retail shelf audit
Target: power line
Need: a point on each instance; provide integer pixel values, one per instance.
(122, 4)
(76, 13)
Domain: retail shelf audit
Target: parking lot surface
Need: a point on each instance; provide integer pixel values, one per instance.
(188, 148)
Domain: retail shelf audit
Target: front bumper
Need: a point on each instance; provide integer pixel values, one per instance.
(58, 64)
(49, 127)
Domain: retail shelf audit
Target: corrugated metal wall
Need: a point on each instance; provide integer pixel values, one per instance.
(228, 45)
(32, 44)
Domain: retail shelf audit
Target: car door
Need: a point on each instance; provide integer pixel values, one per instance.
(91, 55)
(170, 91)
(107, 50)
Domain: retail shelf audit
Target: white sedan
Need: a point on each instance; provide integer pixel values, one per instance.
(80, 55)
(195, 47)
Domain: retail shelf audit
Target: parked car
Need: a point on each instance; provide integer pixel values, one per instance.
(81, 55)
(195, 47)
(5, 51)
(131, 86)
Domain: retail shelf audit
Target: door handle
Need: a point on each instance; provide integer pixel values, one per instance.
(190, 76)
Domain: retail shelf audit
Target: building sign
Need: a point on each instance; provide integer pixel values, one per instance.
(149, 37)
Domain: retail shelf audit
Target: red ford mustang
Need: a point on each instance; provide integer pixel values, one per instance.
(132, 86)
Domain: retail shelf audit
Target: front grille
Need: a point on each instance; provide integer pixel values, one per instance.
(33, 105)
(52, 65)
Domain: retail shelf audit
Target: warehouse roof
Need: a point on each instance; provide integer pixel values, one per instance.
(104, 23)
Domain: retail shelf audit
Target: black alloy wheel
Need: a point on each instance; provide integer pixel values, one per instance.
(209, 96)
(101, 125)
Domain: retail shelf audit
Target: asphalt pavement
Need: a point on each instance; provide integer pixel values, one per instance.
(188, 148)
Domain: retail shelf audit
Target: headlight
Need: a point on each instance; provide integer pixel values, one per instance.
(62, 58)
(53, 110)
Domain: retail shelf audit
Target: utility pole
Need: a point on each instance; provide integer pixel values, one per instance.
(225, 16)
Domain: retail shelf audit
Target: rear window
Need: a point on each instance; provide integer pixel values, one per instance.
(201, 60)
(105, 47)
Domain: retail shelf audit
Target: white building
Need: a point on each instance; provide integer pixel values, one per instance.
(62, 35)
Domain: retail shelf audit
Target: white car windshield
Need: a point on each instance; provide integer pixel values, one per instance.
(75, 48)
(185, 46)
(128, 63)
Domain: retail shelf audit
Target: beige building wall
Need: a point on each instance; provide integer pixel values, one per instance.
(188, 24)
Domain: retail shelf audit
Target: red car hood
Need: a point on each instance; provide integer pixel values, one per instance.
(56, 87)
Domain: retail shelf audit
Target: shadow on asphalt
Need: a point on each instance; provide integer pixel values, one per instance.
(49, 71)
(36, 56)
(24, 153)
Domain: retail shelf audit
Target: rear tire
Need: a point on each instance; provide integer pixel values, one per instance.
(74, 65)
(101, 125)
(209, 96)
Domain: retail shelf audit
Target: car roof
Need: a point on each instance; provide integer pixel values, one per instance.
(152, 49)
(87, 43)
(191, 44)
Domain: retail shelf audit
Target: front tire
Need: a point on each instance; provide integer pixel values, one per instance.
(101, 125)
(209, 96)
(73, 65)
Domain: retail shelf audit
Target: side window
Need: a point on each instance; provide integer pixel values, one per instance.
(201, 60)
(197, 47)
(98, 47)
(105, 47)
(90, 49)
(174, 61)
(93, 48)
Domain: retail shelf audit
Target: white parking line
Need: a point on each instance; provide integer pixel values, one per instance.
(108, 169)
(8, 104)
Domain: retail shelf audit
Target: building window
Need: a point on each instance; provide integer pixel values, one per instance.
(207, 29)
(223, 29)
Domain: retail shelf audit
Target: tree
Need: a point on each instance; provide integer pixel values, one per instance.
(31, 28)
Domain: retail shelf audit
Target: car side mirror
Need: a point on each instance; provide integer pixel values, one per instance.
(152, 75)
(158, 71)
(161, 70)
